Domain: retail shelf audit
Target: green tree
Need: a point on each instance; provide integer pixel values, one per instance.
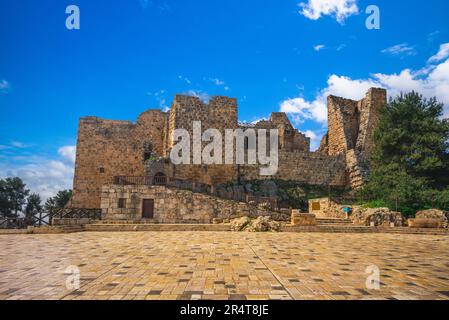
(13, 194)
(59, 201)
(410, 162)
(413, 138)
(33, 208)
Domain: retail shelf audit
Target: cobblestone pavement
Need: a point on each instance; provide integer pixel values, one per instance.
(222, 265)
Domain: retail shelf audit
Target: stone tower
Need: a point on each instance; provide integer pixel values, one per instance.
(351, 131)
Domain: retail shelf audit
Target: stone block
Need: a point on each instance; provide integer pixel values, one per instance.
(425, 223)
(302, 219)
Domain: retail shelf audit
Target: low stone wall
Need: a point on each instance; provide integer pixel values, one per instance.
(303, 219)
(308, 167)
(426, 223)
(172, 205)
(71, 222)
(326, 208)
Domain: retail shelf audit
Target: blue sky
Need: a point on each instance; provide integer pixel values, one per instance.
(132, 55)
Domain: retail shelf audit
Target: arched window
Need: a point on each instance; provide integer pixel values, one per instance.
(160, 179)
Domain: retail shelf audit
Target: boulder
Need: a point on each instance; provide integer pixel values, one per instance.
(240, 224)
(261, 224)
(281, 216)
(425, 223)
(265, 206)
(442, 216)
(377, 217)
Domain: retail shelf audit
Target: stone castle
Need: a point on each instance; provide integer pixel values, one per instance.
(116, 159)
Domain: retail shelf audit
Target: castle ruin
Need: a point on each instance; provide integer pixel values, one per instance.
(119, 164)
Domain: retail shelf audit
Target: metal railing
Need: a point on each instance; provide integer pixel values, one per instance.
(270, 203)
(76, 213)
(160, 180)
(132, 181)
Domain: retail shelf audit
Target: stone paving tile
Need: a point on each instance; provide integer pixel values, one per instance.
(234, 266)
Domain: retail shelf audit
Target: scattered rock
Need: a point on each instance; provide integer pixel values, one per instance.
(239, 224)
(265, 206)
(282, 216)
(425, 223)
(440, 215)
(377, 216)
(261, 224)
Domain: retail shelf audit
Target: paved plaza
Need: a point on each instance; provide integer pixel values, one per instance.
(223, 265)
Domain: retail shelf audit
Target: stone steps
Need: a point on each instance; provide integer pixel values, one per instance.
(344, 228)
(125, 222)
(363, 229)
(333, 222)
(116, 227)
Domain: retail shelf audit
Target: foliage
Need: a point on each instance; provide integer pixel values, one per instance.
(410, 162)
(13, 194)
(33, 208)
(59, 201)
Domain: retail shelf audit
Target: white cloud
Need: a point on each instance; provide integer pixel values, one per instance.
(68, 152)
(315, 139)
(203, 96)
(144, 3)
(400, 49)
(4, 86)
(429, 81)
(18, 144)
(442, 54)
(340, 9)
(42, 175)
(341, 47)
(218, 82)
(319, 47)
(185, 79)
(304, 110)
(160, 98)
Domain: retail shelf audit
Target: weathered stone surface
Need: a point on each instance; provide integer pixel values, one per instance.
(377, 217)
(172, 205)
(303, 219)
(71, 222)
(240, 224)
(426, 223)
(326, 208)
(442, 216)
(109, 148)
(351, 127)
(261, 224)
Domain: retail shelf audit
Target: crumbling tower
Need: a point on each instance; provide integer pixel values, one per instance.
(351, 131)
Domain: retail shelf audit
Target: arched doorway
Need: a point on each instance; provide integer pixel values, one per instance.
(160, 179)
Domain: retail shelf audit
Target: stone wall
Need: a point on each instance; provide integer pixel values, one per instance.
(308, 167)
(351, 126)
(326, 208)
(107, 148)
(172, 205)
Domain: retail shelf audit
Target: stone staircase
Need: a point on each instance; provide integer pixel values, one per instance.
(355, 172)
(126, 222)
(334, 222)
